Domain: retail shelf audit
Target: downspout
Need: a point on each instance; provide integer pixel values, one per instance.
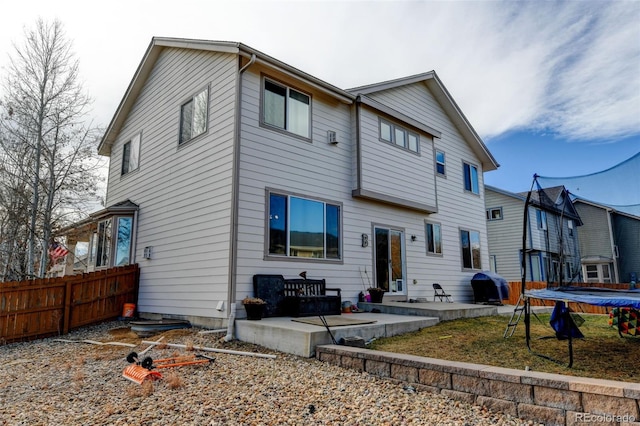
(233, 245)
(358, 146)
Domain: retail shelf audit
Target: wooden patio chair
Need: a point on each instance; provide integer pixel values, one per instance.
(438, 292)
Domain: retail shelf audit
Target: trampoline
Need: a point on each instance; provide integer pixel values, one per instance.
(562, 320)
(561, 252)
(590, 295)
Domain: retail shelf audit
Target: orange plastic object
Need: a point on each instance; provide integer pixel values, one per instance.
(138, 374)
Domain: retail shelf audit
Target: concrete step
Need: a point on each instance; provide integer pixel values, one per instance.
(442, 310)
(288, 336)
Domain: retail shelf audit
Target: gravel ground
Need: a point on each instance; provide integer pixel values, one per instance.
(46, 382)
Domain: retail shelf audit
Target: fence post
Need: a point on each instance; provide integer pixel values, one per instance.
(66, 310)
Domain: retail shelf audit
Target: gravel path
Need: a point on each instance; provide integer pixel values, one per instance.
(46, 382)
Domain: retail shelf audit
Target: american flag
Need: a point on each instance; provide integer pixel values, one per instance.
(56, 251)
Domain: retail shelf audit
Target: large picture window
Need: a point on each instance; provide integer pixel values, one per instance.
(302, 227)
(193, 116)
(286, 109)
(434, 238)
(470, 243)
(471, 178)
(131, 154)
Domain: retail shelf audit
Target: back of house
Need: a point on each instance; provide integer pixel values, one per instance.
(239, 164)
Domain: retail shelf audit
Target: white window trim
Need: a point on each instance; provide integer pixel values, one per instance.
(542, 222)
(490, 211)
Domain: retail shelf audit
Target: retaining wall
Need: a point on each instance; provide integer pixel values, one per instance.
(551, 399)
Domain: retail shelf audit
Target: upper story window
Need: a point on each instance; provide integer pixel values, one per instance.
(434, 238)
(541, 219)
(470, 243)
(302, 227)
(399, 136)
(440, 163)
(570, 226)
(494, 213)
(470, 173)
(131, 155)
(193, 116)
(286, 108)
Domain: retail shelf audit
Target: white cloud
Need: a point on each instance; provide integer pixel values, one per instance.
(571, 68)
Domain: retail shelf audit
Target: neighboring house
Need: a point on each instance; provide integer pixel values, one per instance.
(609, 243)
(552, 251)
(238, 164)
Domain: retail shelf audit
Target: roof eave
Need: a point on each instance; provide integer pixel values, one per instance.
(489, 163)
(441, 93)
(153, 51)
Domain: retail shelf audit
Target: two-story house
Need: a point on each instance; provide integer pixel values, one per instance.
(609, 243)
(551, 249)
(226, 162)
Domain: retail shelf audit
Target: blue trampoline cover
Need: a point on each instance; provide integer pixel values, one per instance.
(501, 283)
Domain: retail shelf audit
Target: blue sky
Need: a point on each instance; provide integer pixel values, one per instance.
(551, 87)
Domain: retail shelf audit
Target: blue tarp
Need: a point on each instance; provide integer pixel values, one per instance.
(590, 295)
(563, 324)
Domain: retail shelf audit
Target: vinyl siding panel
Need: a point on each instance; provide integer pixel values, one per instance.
(184, 192)
(386, 167)
(283, 162)
(457, 208)
(595, 238)
(627, 233)
(505, 236)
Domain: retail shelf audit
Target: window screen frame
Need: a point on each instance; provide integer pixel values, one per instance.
(183, 138)
(286, 128)
(392, 138)
(131, 147)
(286, 238)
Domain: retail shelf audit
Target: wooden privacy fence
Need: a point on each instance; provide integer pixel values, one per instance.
(53, 306)
(515, 288)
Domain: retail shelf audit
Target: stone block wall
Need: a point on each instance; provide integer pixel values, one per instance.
(551, 399)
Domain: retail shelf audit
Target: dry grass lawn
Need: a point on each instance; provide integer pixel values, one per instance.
(601, 354)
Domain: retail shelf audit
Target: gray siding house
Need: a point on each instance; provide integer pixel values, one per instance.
(548, 257)
(609, 243)
(233, 163)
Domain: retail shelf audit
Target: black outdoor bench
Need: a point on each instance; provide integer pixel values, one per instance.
(308, 297)
(296, 297)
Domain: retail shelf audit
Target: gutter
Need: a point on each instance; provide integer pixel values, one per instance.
(289, 71)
